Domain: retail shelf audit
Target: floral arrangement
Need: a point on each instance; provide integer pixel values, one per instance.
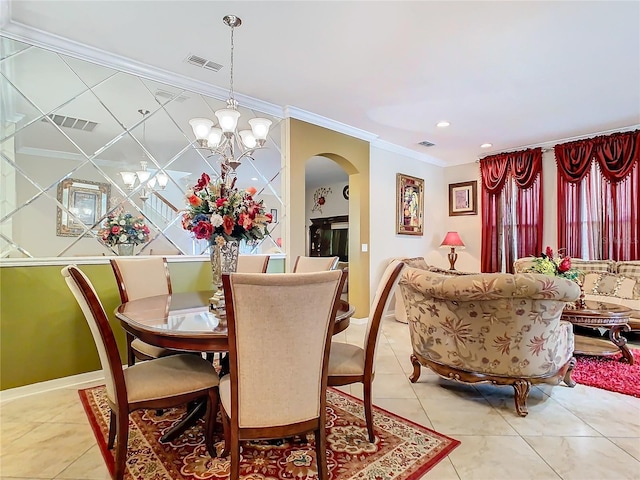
(219, 213)
(557, 266)
(120, 227)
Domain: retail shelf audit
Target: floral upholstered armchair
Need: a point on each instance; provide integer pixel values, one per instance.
(498, 327)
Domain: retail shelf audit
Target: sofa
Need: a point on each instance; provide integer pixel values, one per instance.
(499, 328)
(606, 281)
(417, 262)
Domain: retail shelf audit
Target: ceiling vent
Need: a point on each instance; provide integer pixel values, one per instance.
(203, 63)
(426, 143)
(170, 96)
(71, 122)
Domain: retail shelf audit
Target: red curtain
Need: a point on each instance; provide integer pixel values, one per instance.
(524, 168)
(618, 160)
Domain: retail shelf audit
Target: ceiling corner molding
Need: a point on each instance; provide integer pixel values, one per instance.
(40, 38)
(407, 152)
(325, 122)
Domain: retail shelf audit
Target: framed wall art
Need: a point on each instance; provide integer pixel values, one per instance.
(410, 205)
(463, 198)
(85, 203)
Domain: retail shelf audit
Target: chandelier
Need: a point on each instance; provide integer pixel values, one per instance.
(225, 140)
(143, 175)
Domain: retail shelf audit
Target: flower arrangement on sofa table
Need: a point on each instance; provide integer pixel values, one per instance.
(123, 228)
(219, 213)
(557, 266)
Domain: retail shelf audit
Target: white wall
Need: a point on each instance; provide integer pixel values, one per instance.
(335, 203)
(385, 243)
(468, 226)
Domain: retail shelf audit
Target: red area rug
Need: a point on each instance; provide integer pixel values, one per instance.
(609, 373)
(403, 450)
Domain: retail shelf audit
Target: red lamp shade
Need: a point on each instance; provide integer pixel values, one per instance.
(452, 239)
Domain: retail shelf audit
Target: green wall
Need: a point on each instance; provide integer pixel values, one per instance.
(43, 334)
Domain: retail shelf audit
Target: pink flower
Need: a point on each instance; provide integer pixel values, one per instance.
(245, 221)
(548, 252)
(115, 229)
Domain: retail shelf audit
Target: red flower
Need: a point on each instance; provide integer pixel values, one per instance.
(269, 217)
(195, 200)
(321, 201)
(115, 229)
(203, 230)
(202, 183)
(565, 265)
(548, 252)
(227, 224)
(220, 202)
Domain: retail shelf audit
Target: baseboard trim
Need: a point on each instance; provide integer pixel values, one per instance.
(41, 387)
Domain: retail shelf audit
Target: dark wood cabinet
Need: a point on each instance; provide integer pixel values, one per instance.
(329, 236)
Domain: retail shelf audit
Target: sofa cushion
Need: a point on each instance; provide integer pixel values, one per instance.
(630, 269)
(610, 284)
(594, 265)
(415, 262)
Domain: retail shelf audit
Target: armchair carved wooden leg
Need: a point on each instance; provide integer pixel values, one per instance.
(570, 382)
(521, 388)
(416, 369)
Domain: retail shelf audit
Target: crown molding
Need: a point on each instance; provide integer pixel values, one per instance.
(299, 114)
(40, 38)
(407, 152)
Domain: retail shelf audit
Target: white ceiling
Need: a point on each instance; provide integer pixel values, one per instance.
(511, 73)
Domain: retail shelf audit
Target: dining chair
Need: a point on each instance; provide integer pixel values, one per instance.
(259, 400)
(252, 263)
(353, 364)
(156, 384)
(314, 264)
(138, 278)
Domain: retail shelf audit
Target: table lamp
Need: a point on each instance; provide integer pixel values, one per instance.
(453, 240)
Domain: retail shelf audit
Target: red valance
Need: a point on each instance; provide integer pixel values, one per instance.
(524, 166)
(616, 155)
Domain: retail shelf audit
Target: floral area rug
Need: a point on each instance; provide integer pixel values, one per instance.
(609, 373)
(403, 450)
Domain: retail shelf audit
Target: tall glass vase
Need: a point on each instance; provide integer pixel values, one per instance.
(125, 249)
(224, 259)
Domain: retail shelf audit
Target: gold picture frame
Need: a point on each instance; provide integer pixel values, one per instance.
(410, 205)
(463, 198)
(85, 203)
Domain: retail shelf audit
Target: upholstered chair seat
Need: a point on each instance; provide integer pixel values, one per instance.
(158, 383)
(139, 278)
(295, 314)
(350, 363)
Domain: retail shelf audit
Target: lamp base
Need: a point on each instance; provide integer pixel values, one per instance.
(453, 256)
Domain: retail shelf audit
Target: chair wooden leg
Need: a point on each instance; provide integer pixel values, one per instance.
(112, 429)
(226, 426)
(131, 357)
(121, 446)
(368, 411)
(321, 453)
(235, 455)
(210, 420)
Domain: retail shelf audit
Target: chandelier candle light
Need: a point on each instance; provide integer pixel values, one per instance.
(453, 240)
(225, 139)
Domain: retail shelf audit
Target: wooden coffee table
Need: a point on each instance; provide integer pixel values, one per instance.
(614, 318)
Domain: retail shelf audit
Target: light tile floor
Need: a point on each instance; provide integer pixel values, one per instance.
(581, 433)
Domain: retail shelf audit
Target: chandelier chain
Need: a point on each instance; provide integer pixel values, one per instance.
(233, 100)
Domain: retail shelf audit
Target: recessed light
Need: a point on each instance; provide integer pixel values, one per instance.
(486, 145)
(254, 179)
(443, 124)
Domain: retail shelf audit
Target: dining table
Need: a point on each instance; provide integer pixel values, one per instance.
(187, 322)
